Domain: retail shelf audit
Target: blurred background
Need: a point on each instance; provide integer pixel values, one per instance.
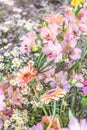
(19, 15)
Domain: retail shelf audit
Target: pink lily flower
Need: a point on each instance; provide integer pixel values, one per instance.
(74, 124)
(49, 33)
(28, 41)
(83, 27)
(69, 15)
(56, 19)
(2, 103)
(47, 76)
(82, 18)
(78, 77)
(85, 5)
(53, 51)
(76, 54)
(38, 127)
(61, 81)
(61, 78)
(85, 87)
(15, 97)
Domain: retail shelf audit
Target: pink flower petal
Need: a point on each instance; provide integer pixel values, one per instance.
(74, 124)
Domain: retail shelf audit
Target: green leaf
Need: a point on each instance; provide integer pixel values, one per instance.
(74, 100)
(84, 52)
(77, 10)
(70, 114)
(0, 78)
(84, 100)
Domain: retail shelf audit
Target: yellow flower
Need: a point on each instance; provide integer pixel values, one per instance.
(77, 2)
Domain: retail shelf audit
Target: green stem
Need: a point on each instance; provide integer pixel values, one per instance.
(58, 121)
(73, 100)
(54, 113)
(36, 94)
(84, 52)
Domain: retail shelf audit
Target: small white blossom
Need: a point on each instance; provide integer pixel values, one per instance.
(39, 87)
(39, 104)
(1, 58)
(13, 82)
(34, 103)
(31, 62)
(15, 53)
(16, 62)
(6, 124)
(5, 40)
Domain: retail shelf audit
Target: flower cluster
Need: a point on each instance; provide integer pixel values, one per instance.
(50, 79)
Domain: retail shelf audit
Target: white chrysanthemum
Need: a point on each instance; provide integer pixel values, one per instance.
(18, 128)
(13, 82)
(19, 120)
(34, 103)
(15, 53)
(16, 62)
(31, 62)
(39, 104)
(25, 91)
(39, 87)
(14, 117)
(6, 124)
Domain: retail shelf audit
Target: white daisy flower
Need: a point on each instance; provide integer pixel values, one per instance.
(13, 82)
(16, 62)
(15, 53)
(1, 58)
(39, 87)
(39, 104)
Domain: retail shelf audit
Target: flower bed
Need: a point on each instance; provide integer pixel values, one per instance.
(46, 89)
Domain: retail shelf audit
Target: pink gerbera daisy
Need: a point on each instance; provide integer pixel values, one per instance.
(25, 75)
